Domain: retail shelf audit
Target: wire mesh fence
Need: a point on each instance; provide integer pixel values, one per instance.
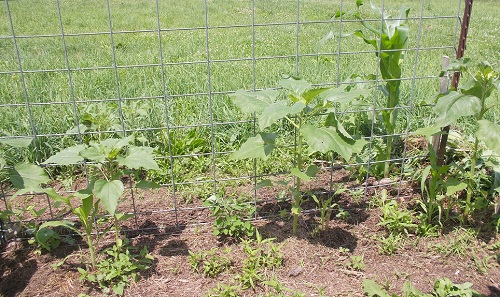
(78, 71)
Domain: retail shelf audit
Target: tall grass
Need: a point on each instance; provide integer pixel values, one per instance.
(196, 101)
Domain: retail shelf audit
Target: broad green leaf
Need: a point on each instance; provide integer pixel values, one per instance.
(55, 196)
(341, 96)
(251, 102)
(3, 163)
(454, 105)
(77, 129)
(428, 131)
(453, 186)
(119, 288)
(95, 153)
(259, 146)
(331, 121)
(312, 170)
(139, 157)
(372, 289)
(296, 172)
(489, 133)
(117, 143)
(329, 139)
(46, 225)
(311, 94)
(146, 185)
(17, 142)
(272, 113)
(67, 156)
(65, 224)
(123, 216)
(28, 176)
(297, 86)
(123, 142)
(87, 205)
(109, 192)
(277, 111)
(264, 183)
(359, 144)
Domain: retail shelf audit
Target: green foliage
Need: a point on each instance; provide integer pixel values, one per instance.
(357, 263)
(105, 189)
(262, 254)
(445, 287)
(459, 243)
(390, 42)
(438, 187)
(109, 156)
(472, 100)
(229, 216)
(223, 290)
(326, 207)
(278, 289)
(48, 238)
(395, 219)
(301, 108)
(442, 288)
(118, 269)
(209, 263)
(389, 244)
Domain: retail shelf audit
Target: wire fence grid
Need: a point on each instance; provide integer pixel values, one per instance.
(50, 90)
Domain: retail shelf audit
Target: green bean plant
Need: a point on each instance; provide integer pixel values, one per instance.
(301, 108)
(474, 99)
(390, 41)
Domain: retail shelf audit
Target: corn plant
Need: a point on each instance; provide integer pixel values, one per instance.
(326, 207)
(301, 108)
(391, 38)
(471, 100)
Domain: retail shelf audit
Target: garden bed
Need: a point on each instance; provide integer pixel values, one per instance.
(334, 264)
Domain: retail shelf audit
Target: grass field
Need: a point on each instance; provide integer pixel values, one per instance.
(138, 79)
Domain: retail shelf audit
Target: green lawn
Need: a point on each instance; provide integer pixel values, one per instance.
(197, 76)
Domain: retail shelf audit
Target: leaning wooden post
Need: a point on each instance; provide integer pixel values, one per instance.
(443, 89)
(441, 149)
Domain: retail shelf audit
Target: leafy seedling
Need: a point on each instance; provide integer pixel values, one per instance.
(301, 108)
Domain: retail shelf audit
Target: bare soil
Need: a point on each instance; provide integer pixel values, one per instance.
(313, 265)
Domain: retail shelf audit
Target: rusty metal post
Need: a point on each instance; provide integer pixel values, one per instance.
(441, 149)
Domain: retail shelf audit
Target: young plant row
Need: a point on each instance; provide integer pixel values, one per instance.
(108, 161)
(317, 116)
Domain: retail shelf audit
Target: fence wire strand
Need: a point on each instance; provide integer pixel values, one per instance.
(206, 92)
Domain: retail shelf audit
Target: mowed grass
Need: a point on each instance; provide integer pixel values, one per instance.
(137, 79)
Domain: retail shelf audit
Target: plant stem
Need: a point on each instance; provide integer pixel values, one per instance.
(387, 165)
(91, 250)
(392, 102)
(470, 187)
(117, 233)
(297, 193)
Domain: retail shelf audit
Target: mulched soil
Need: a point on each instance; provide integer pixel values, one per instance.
(313, 265)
